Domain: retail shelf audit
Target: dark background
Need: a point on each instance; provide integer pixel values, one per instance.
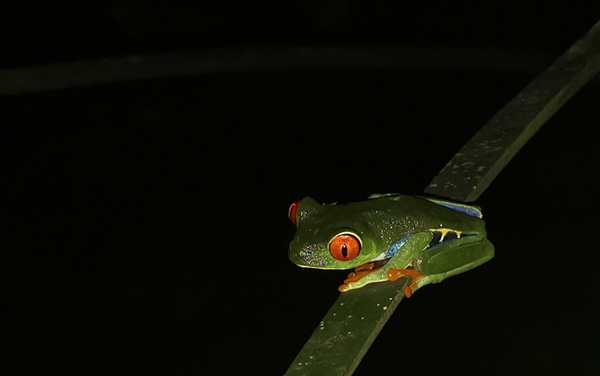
(146, 221)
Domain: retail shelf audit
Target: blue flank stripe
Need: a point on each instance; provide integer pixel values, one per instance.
(461, 208)
(396, 246)
(471, 210)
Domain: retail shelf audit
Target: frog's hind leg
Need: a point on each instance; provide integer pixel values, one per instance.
(435, 265)
(440, 263)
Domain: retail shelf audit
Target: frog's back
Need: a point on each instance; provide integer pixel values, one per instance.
(431, 213)
(471, 210)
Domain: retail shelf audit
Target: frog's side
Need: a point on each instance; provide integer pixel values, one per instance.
(389, 236)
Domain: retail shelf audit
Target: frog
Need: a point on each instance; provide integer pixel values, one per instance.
(389, 236)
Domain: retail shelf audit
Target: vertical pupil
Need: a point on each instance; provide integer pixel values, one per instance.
(345, 250)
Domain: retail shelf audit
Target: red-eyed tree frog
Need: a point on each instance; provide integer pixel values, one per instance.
(389, 236)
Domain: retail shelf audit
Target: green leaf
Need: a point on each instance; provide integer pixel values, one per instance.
(347, 331)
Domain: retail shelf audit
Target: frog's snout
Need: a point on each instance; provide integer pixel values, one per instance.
(306, 256)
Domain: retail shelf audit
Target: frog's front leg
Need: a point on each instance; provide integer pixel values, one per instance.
(404, 255)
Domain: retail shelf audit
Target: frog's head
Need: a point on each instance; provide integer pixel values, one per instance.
(330, 236)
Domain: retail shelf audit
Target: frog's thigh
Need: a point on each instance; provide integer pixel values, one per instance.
(445, 261)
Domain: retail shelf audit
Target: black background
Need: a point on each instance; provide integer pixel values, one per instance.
(146, 221)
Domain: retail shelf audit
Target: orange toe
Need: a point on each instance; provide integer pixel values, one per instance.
(359, 272)
(394, 274)
(356, 276)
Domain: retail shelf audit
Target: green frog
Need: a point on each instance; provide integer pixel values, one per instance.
(389, 236)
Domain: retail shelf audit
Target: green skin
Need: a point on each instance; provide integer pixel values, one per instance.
(380, 222)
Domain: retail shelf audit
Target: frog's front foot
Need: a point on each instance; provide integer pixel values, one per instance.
(355, 276)
(394, 274)
(359, 272)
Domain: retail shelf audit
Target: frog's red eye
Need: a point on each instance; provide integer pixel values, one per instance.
(293, 211)
(345, 246)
